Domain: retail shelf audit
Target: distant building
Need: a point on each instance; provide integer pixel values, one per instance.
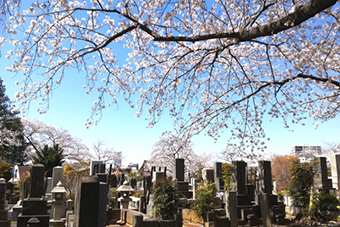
(306, 152)
(133, 166)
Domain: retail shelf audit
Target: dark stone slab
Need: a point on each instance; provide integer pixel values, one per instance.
(179, 169)
(34, 206)
(86, 202)
(37, 181)
(102, 177)
(239, 177)
(265, 177)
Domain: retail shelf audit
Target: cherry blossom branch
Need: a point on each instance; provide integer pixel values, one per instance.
(300, 15)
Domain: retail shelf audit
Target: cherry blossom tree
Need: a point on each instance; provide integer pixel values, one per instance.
(39, 134)
(169, 147)
(105, 153)
(214, 66)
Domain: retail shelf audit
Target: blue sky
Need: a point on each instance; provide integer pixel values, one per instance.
(70, 106)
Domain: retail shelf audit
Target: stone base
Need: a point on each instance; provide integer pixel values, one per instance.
(167, 223)
(58, 223)
(23, 219)
(5, 223)
(34, 206)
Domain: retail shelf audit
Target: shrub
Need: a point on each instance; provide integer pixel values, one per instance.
(204, 201)
(165, 199)
(227, 169)
(301, 182)
(5, 171)
(323, 202)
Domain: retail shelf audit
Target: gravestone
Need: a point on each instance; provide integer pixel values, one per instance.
(4, 222)
(265, 193)
(239, 177)
(86, 202)
(179, 169)
(102, 204)
(321, 180)
(264, 198)
(49, 188)
(231, 207)
(218, 176)
(57, 175)
(97, 166)
(335, 169)
(208, 175)
(157, 174)
(183, 186)
(35, 206)
(265, 177)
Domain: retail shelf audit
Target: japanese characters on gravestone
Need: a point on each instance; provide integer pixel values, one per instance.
(35, 205)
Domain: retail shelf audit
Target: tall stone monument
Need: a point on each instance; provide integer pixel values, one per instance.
(86, 202)
(335, 169)
(35, 206)
(321, 181)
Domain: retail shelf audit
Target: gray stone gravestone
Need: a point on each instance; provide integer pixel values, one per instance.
(57, 175)
(208, 175)
(102, 204)
(335, 169)
(231, 207)
(49, 188)
(97, 166)
(86, 202)
(321, 180)
(35, 205)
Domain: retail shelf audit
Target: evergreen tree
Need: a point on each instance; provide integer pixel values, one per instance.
(12, 140)
(49, 157)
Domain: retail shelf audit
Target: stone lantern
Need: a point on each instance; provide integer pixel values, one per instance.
(125, 191)
(58, 203)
